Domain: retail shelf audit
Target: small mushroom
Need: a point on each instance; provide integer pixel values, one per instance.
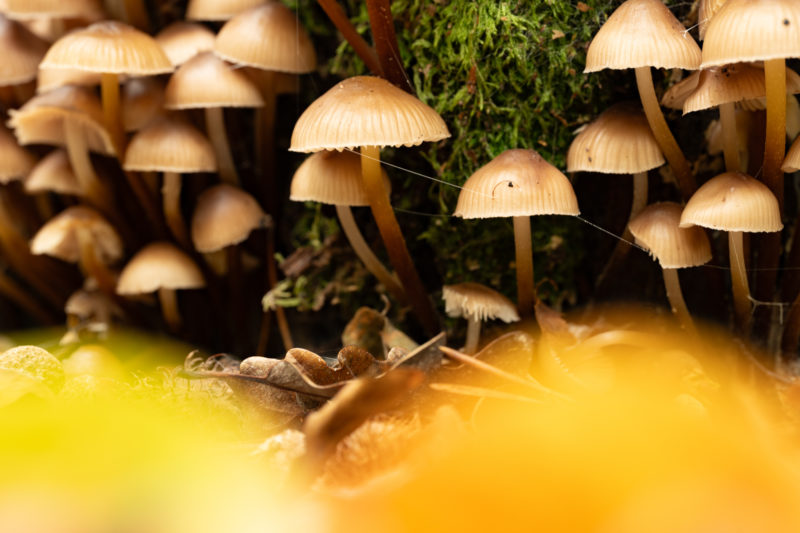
(477, 303)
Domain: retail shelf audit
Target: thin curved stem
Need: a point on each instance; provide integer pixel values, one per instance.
(741, 288)
(775, 139)
(168, 299)
(272, 275)
(675, 295)
(523, 249)
(339, 18)
(215, 127)
(171, 196)
(78, 154)
(473, 335)
(730, 137)
(91, 266)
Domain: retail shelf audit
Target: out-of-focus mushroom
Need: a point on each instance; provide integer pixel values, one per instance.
(476, 303)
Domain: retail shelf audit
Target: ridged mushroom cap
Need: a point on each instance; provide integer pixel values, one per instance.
(22, 52)
(37, 9)
(752, 30)
(224, 215)
(159, 265)
(473, 300)
(182, 40)
(53, 173)
(207, 81)
(15, 161)
(332, 177)
(792, 161)
(170, 144)
(59, 236)
(218, 10)
(706, 10)
(656, 227)
(268, 37)
(642, 33)
(141, 101)
(619, 141)
(111, 47)
(733, 202)
(54, 78)
(516, 183)
(366, 111)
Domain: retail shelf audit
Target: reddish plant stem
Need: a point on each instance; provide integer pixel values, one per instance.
(383, 35)
(337, 15)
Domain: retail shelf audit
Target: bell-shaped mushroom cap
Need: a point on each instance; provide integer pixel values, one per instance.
(22, 52)
(516, 183)
(15, 161)
(332, 178)
(59, 236)
(207, 81)
(159, 265)
(705, 12)
(792, 161)
(733, 202)
(142, 101)
(656, 227)
(53, 173)
(619, 141)
(182, 40)
(642, 33)
(473, 300)
(111, 47)
(218, 9)
(752, 30)
(366, 111)
(170, 144)
(268, 37)
(53, 78)
(36, 9)
(225, 215)
(88, 304)
(42, 119)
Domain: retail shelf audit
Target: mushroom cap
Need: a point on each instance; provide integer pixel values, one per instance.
(218, 10)
(642, 33)
(170, 144)
(473, 300)
(37, 9)
(111, 47)
(705, 12)
(53, 173)
(183, 40)
(269, 37)
(142, 101)
(752, 30)
(207, 81)
(792, 161)
(22, 52)
(159, 265)
(619, 141)
(516, 183)
(733, 202)
(89, 304)
(15, 161)
(366, 111)
(656, 227)
(331, 177)
(224, 215)
(59, 236)
(53, 78)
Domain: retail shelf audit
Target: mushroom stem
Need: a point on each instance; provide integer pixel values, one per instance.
(741, 289)
(136, 15)
(775, 138)
(473, 334)
(339, 18)
(92, 267)
(272, 275)
(109, 88)
(171, 194)
(523, 250)
(673, 285)
(265, 140)
(11, 290)
(78, 154)
(668, 144)
(394, 241)
(168, 299)
(730, 138)
(215, 127)
(234, 260)
(364, 252)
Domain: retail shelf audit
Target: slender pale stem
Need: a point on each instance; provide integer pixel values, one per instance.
(136, 15)
(669, 146)
(12, 291)
(215, 127)
(523, 249)
(775, 139)
(91, 266)
(741, 288)
(112, 113)
(675, 295)
(78, 154)
(639, 201)
(473, 335)
(169, 308)
(730, 137)
(171, 195)
(364, 252)
(393, 240)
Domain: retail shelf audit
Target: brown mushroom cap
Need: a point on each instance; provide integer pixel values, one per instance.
(207, 81)
(22, 52)
(182, 40)
(331, 177)
(366, 111)
(15, 161)
(53, 173)
(218, 9)
(619, 141)
(225, 215)
(473, 300)
(733, 202)
(516, 183)
(170, 144)
(657, 228)
(59, 236)
(159, 265)
(642, 33)
(705, 12)
(36, 9)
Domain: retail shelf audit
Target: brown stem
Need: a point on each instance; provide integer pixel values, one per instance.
(367, 54)
(675, 296)
(473, 335)
(669, 146)
(134, 14)
(523, 250)
(265, 141)
(215, 127)
(272, 275)
(91, 266)
(730, 137)
(112, 113)
(382, 24)
(146, 200)
(394, 241)
(741, 288)
(775, 140)
(171, 195)
(169, 308)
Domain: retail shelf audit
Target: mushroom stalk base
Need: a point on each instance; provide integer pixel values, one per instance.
(741, 288)
(171, 193)
(91, 265)
(215, 127)
(473, 335)
(523, 249)
(675, 295)
(168, 299)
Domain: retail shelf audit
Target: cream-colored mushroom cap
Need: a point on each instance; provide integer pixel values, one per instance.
(752, 30)
(619, 141)
(15, 161)
(225, 215)
(516, 183)
(705, 12)
(53, 173)
(268, 37)
(657, 228)
(53, 78)
(170, 144)
(642, 33)
(22, 52)
(142, 100)
(111, 47)
(182, 40)
(59, 236)
(35, 9)
(733, 202)
(159, 265)
(473, 300)
(366, 111)
(207, 81)
(792, 161)
(218, 9)
(332, 177)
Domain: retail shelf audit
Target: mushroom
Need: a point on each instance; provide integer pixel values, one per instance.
(218, 10)
(142, 102)
(705, 11)
(476, 303)
(182, 40)
(53, 173)
(22, 52)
